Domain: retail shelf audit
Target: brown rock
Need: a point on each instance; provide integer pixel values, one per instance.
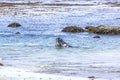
(91, 77)
(72, 29)
(14, 25)
(103, 29)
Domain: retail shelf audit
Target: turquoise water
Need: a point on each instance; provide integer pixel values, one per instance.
(34, 49)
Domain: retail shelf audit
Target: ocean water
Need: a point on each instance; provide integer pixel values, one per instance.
(34, 49)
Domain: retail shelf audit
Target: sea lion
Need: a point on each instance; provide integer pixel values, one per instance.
(61, 43)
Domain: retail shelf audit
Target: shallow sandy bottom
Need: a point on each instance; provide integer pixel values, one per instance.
(11, 73)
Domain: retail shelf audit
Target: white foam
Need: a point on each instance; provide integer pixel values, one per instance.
(0, 59)
(19, 74)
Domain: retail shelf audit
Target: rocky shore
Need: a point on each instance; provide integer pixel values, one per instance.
(38, 8)
(14, 25)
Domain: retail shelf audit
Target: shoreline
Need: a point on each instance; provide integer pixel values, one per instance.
(11, 73)
(55, 8)
(56, 15)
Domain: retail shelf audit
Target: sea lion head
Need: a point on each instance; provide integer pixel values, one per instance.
(61, 43)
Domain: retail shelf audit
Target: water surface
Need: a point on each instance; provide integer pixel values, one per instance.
(34, 49)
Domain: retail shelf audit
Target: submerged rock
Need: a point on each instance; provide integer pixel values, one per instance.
(91, 77)
(1, 64)
(96, 37)
(17, 33)
(14, 25)
(103, 29)
(72, 29)
(90, 29)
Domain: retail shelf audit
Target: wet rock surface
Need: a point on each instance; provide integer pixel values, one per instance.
(72, 29)
(61, 43)
(14, 25)
(103, 29)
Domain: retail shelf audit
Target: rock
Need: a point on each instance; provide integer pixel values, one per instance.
(1, 64)
(90, 28)
(72, 29)
(103, 29)
(91, 77)
(96, 37)
(17, 33)
(14, 25)
(108, 29)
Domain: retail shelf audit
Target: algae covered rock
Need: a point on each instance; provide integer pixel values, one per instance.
(103, 29)
(14, 25)
(72, 29)
(90, 29)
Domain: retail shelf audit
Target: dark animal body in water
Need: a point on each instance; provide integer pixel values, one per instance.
(61, 43)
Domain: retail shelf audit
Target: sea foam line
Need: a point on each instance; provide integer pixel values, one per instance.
(11, 73)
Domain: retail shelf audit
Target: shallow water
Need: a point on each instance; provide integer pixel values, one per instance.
(34, 49)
